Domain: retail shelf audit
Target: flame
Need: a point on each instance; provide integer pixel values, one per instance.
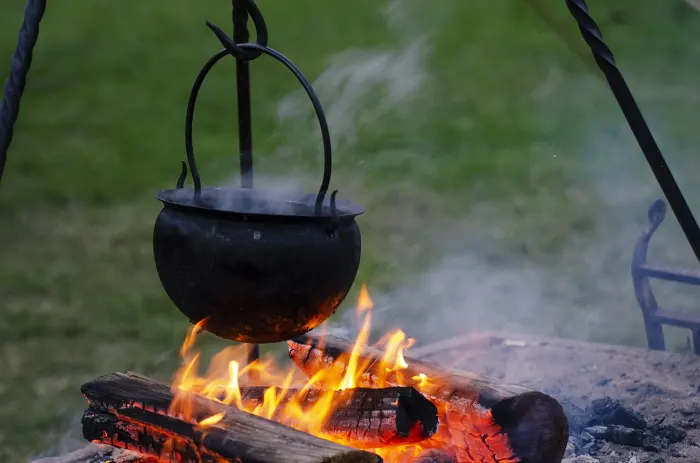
(212, 420)
(225, 376)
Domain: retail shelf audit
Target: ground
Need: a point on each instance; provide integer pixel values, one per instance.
(466, 129)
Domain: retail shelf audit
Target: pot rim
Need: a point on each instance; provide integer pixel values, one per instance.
(266, 203)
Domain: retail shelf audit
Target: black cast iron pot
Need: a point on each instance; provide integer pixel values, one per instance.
(259, 269)
(256, 266)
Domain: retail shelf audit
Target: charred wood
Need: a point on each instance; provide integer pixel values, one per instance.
(481, 418)
(130, 411)
(363, 417)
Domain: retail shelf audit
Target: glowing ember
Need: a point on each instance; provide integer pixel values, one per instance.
(224, 377)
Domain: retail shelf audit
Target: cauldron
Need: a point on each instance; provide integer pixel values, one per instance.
(258, 267)
(252, 265)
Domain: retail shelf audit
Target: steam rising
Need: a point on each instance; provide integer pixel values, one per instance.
(353, 78)
(359, 87)
(491, 270)
(582, 290)
(68, 442)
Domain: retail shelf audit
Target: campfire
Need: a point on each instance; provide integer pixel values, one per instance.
(339, 401)
(253, 267)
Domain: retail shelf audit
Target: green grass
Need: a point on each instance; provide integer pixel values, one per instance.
(509, 157)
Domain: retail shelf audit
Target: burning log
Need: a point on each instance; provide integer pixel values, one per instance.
(363, 418)
(481, 419)
(131, 411)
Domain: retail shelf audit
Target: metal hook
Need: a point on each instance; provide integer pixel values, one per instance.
(183, 176)
(657, 213)
(318, 109)
(228, 44)
(335, 221)
(249, 9)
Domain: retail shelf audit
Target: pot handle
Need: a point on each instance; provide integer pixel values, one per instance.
(234, 49)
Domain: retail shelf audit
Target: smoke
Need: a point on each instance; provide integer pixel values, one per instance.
(66, 442)
(491, 267)
(581, 290)
(360, 87)
(351, 82)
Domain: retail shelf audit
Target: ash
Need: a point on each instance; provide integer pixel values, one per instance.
(625, 405)
(607, 427)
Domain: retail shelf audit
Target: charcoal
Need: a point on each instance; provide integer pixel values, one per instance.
(600, 432)
(593, 447)
(657, 441)
(621, 435)
(607, 411)
(578, 418)
(691, 411)
(673, 434)
(654, 443)
(690, 423)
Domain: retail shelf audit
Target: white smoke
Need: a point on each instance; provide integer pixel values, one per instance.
(351, 83)
(581, 290)
(362, 86)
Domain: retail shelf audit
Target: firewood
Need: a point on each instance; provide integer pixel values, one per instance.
(480, 418)
(130, 411)
(364, 418)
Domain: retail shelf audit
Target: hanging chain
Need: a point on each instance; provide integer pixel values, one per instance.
(15, 83)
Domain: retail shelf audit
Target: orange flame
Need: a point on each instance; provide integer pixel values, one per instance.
(212, 420)
(224, 378)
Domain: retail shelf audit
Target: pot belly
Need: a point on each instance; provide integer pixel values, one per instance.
(255, 281)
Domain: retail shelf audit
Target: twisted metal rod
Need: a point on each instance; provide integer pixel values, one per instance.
(19, 68)
(606, 62)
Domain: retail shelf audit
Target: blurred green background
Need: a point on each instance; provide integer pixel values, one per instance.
(478, 135)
